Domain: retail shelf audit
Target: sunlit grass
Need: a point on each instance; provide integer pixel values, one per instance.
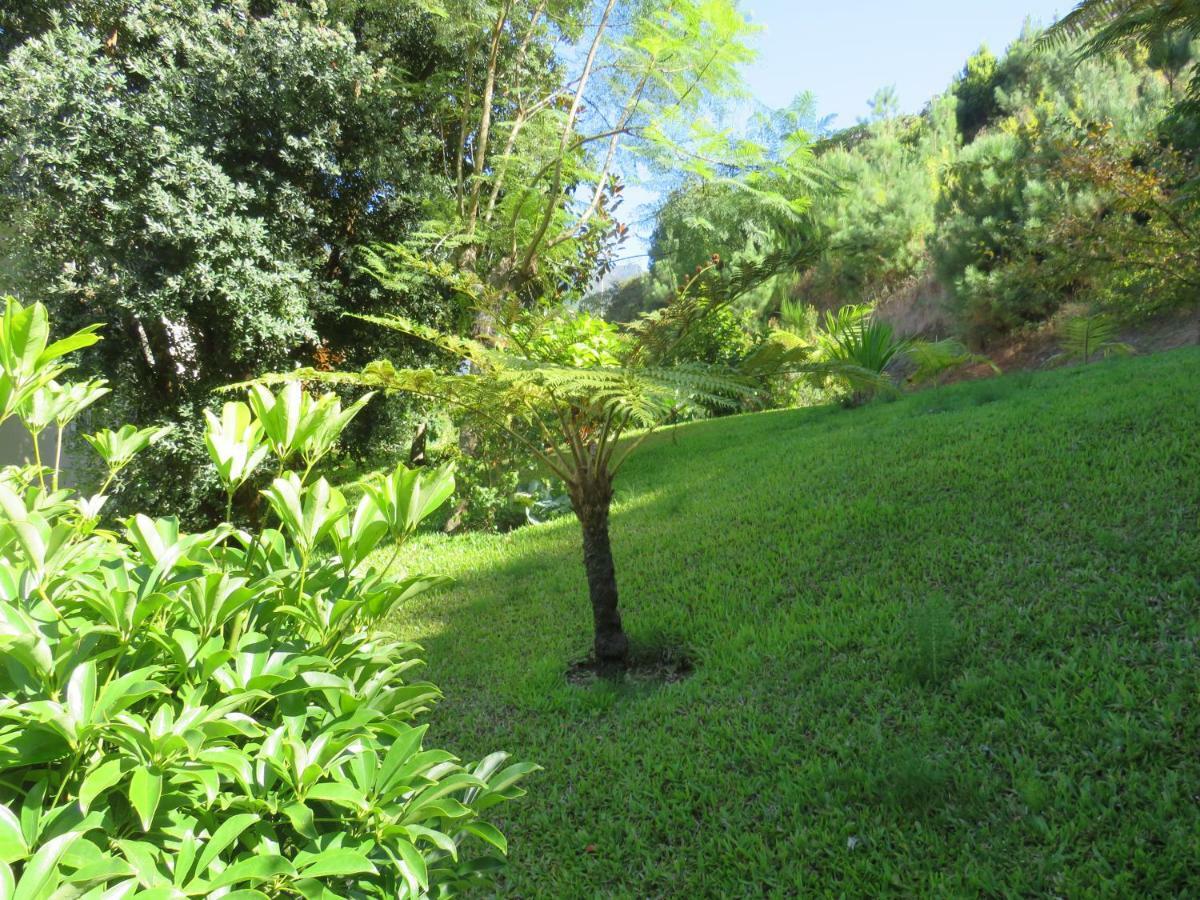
(945, 645)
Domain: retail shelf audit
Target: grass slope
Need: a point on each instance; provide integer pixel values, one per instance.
(945, 646)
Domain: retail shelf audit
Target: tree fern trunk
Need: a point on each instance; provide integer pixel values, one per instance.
(591, 502)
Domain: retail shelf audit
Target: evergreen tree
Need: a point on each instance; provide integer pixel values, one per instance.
(198, 177)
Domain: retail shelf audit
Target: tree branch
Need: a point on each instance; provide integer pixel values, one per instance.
(568, 129)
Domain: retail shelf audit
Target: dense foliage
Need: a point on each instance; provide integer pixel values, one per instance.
(1165, 28)
(1000, 243)
(199, 177)
(1049, 176)
(219, 712)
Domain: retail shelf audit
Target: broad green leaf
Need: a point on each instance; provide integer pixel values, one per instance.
(312, 889)
(253, 869)
(336, 863)
(412, 867)
(85, 337)
(145, 790)
(489, 833)
(439, 839)
(13, 847)
(337, 792)
(100, 779)
(234, 443)
(81, 692)
(41, 875)
(31, 812)
(144, 858)
(228, 832)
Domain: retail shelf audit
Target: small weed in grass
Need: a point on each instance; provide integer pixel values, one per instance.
(929, 641)
(914, 782)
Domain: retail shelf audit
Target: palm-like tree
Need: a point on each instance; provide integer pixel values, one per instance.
(1085, 338)
(583, 422)
(854, 339)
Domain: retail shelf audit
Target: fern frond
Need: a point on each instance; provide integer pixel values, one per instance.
(1103, 25)
(932, 358)
(460, 347)
(645, 395)
(1084, 18)
(656, 334)
(777, 355)
(1085, 338)
(790, 210)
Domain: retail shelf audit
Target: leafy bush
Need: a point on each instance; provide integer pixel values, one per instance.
(488, 477)
(721, 338)
(218, 713)
(199, 176)
(878, 222)
(1014, 223)
(568, 338)
(544, 500)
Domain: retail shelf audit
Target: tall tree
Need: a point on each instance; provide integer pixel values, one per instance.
(198, 176)
(555, 95)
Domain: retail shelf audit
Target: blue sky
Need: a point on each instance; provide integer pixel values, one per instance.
(843, 51)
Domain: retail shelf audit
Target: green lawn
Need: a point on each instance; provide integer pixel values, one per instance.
(943, 646)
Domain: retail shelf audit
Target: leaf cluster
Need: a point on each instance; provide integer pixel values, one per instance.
(219, 713)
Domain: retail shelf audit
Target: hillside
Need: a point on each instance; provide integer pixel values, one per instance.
(942, 646)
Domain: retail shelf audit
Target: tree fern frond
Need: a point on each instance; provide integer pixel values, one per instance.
(392, 264)
(932, 358)
(657, 333)
(1106, 24)
(1084, 18)
(1085, 338)
(789, 210)
(460, 347)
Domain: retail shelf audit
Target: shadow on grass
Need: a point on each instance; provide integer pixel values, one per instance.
(919, 648)
(731, 528)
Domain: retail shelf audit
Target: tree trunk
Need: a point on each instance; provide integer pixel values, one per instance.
(416, 451)
(591, 503)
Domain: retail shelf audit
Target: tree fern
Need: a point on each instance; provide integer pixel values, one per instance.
(577, 418)
(1105, 24)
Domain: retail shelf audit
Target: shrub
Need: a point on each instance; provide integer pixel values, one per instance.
(218, 713)
(853, 336)
(929, 641)
(721, 338)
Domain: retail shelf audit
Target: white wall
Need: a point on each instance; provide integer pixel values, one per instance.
(16, 448)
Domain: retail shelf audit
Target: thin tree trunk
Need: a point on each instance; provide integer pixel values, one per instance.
(591, 503)
(416, 451)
